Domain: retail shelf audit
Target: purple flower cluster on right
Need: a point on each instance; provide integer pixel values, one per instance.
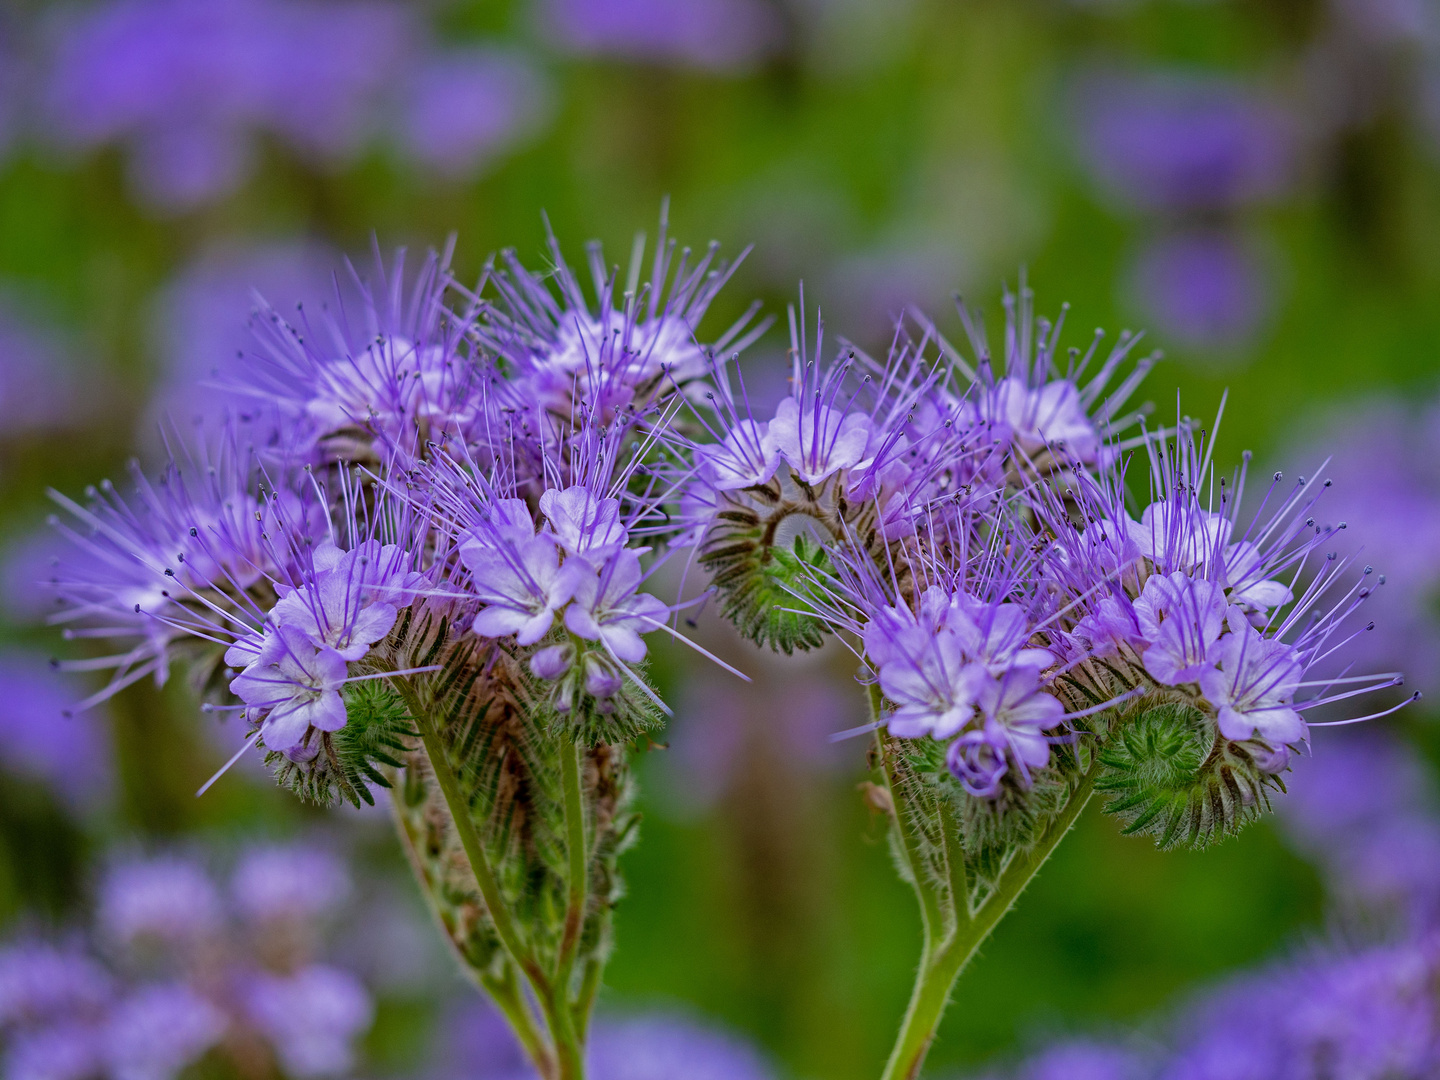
(1008, 601)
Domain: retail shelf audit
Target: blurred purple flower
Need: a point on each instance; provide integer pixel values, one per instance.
(169, 899)
(37, 738)
(27, 574)
(475, 1044)
(311, 1017)
(1367, 814)
(1171, 141)
(1082, 1060)
(287, 882)
(663, 1047)
(37, 386)
(1201, 290)
(1384, 468)
(40, 983)
(1367, 1015)
(875, 287)
(718, 35)
(785, 714)
(69, 1050)
(202, 321)
(187, 83)
(463, 109)
(159, 1030)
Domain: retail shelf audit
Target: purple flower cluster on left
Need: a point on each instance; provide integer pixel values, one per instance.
(444, 458)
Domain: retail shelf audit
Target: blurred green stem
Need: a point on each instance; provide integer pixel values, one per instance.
(952, 932)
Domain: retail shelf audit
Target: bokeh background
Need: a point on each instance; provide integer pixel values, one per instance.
(1254, 182)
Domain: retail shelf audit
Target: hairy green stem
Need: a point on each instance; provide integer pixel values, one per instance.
(506, 993)
(931, 913)
(568, 1023)
(585, 1000)
(579, 870)
(459, 808)
(941, 962)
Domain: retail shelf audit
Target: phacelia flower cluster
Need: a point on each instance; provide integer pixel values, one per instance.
(423, 471)
(972, 534)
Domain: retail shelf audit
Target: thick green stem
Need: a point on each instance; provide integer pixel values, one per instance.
(931, 913)
(569, 1045)
(459, 808)
(579, 868)
(505, 992)
(942, 962)
(585, 1000)
(566, 1021)
(553, 994)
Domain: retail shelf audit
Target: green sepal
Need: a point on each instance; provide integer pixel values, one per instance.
(762, 585)
(377, 735)
(1170, 775)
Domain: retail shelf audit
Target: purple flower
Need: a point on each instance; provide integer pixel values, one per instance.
(1253, 685)
(1365, 1014)
(610, 361)
(1209, 614)
(42, 738)
(961, 667)
(290, 882)
(583, 523)
(374, 377)
(40, 983)
(159, 1030)
(923, 668)
(718, 35)
(351, 599)
(608, 607)
(1203, 291)
(68, 1050)
(1016, 711)
(817, 441)
(291, 685)
(1050, 415)
(661, 1047)
(521, 585)
(187, 83)
(978, 761)
(1180, 619)
(561, 582)
(463, 109)
(312, 1018)
(167, 900)
(186, 554)
(38, 388)
(1169, 141)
